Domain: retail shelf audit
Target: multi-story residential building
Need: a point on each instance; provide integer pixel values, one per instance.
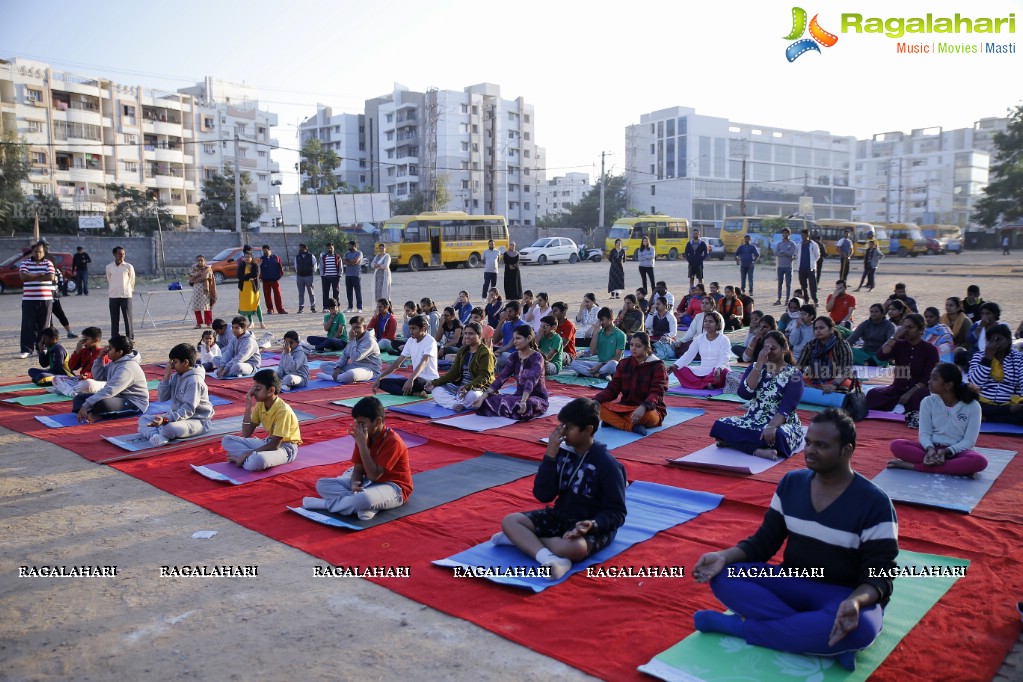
(225, 111)
(345, 135)
(927, 176)
(561, 192)
(476, 145)
(86, 132)
(706, 168)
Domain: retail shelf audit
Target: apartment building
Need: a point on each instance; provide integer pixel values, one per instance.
(926, 176)
(705, 168)
(85, 132)
(225, 111)
(345, 135)
(479, 147)
(561, 192)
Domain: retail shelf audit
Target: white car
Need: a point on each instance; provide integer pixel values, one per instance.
(550, 250)
(715, 248)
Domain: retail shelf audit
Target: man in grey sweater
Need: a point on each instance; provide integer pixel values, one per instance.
(784, 252)
(124, 390)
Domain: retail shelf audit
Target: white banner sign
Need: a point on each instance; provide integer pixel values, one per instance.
(90, 222)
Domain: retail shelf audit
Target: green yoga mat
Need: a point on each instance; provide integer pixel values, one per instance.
(576, 380)
(386, 398)
(734, 398)
(716, 658)
(14, 388)
(45, 398)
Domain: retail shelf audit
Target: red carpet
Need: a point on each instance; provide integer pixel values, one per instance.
(600, 625)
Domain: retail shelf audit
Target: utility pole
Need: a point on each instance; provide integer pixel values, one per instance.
(742, 186)
(900, 189)
(600, 219)
(238, 192)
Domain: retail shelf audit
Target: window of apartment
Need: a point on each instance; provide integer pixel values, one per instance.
(337, 129)
(128, 111)
(475, 111)
(526, 205)
(475, 165)
(129, 138)
(475, 146)
(525, 136)
(362, 163)
(465, 146)
(653, 149)
(38, 158)
(527, 188)
(209, 148)
(465, 184)
(242, 153)
(35, 126)
(390, 118)
(525, 170)
(362, 179)
(33, 95)
(513, 205)
(390, 172)
(262, 154)
(465, 108)
(390, 135)
(525, 118)
(525, 153)
(465, 165)
(208, 122)
(207, 173)
(131, 167)
(653, 190)
(261, 176)
(653, 210)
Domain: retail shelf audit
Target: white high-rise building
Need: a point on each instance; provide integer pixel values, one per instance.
(927, 176)
(345, 135)
(224, 111)
(477, 146)
(85, 132)
(705, 168)
(560, 193)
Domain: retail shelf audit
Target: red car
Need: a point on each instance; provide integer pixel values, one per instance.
(10, 279)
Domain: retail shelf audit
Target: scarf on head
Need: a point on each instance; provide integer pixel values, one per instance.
(820, 357)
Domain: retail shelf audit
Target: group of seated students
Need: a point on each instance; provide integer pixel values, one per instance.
(514, 341)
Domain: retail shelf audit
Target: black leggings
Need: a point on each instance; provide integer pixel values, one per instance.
(645, 272)
(108, 408)
(396, 385)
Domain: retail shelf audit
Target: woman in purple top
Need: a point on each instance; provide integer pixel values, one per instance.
(526, 366)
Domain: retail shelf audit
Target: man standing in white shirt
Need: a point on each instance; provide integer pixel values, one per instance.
(120, 289)
(491, 265)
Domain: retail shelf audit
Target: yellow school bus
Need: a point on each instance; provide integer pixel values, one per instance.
(448, 238)
(832, 230)
(668, 236)
(764, 236)
(905, 239)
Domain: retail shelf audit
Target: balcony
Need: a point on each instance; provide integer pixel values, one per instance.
(91, 175)
(155, 153)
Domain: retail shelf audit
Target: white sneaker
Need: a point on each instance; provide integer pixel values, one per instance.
(158, 440)
(24, 355)
(367, 514)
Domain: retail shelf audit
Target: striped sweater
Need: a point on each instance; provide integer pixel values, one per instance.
(854, 534)
(992, 391)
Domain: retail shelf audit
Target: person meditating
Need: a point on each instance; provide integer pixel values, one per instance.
(840, 532)
(641, 382)
(826, 362)
(997, 372)
(472, 371)
(774, 386)
(526, 366)
(913, 359)
(380, 477)
(586, 485)
(949, 426)
(713, 348)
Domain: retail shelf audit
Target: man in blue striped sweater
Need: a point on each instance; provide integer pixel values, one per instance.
(828, 595)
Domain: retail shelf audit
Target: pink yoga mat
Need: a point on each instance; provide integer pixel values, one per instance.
(886, 416)
(328, 452)
(695, 392)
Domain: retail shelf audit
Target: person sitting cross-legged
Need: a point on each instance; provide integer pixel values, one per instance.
(380, 477)
(606, 348)
(839, 530)
(184, 385)
(640, 381)
(472, 371)
(587, 487)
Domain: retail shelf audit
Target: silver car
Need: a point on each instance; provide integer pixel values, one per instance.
(715, 248)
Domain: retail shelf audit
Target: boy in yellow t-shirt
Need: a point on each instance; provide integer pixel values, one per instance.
(278, 420)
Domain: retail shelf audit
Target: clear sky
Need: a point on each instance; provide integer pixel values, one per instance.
(589, 68)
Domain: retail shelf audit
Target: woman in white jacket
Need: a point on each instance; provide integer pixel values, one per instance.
(714, 350)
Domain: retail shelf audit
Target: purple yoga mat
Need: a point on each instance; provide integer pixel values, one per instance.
(695, 392)
(328, 452)
(886, 416)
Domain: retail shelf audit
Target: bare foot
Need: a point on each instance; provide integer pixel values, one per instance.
(766, 453)
(898, 464)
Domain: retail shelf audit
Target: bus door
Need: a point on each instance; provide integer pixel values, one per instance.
(435, 237)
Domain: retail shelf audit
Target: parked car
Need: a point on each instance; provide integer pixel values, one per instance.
(10, 279)
(715, 248)
(934, 247)
(225, 264)
(550, 249)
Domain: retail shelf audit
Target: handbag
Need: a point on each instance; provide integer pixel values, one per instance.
(855, 402)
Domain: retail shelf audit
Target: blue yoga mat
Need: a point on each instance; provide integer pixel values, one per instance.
(312, 385)
(815, 396)
(652, 507)
(997, 427)
(616, 438)
(425, 408)
(59, 421)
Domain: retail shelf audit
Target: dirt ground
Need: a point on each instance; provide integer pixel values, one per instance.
(58, 509)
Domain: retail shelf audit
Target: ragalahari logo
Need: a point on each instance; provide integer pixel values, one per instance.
(818, 35)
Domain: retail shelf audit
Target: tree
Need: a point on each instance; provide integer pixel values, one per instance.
(217, 204)
(415, 204)
(135, 212)
(1003, 197)
(53, 217)
(317, 165)
(586, 214)
(14, 168)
